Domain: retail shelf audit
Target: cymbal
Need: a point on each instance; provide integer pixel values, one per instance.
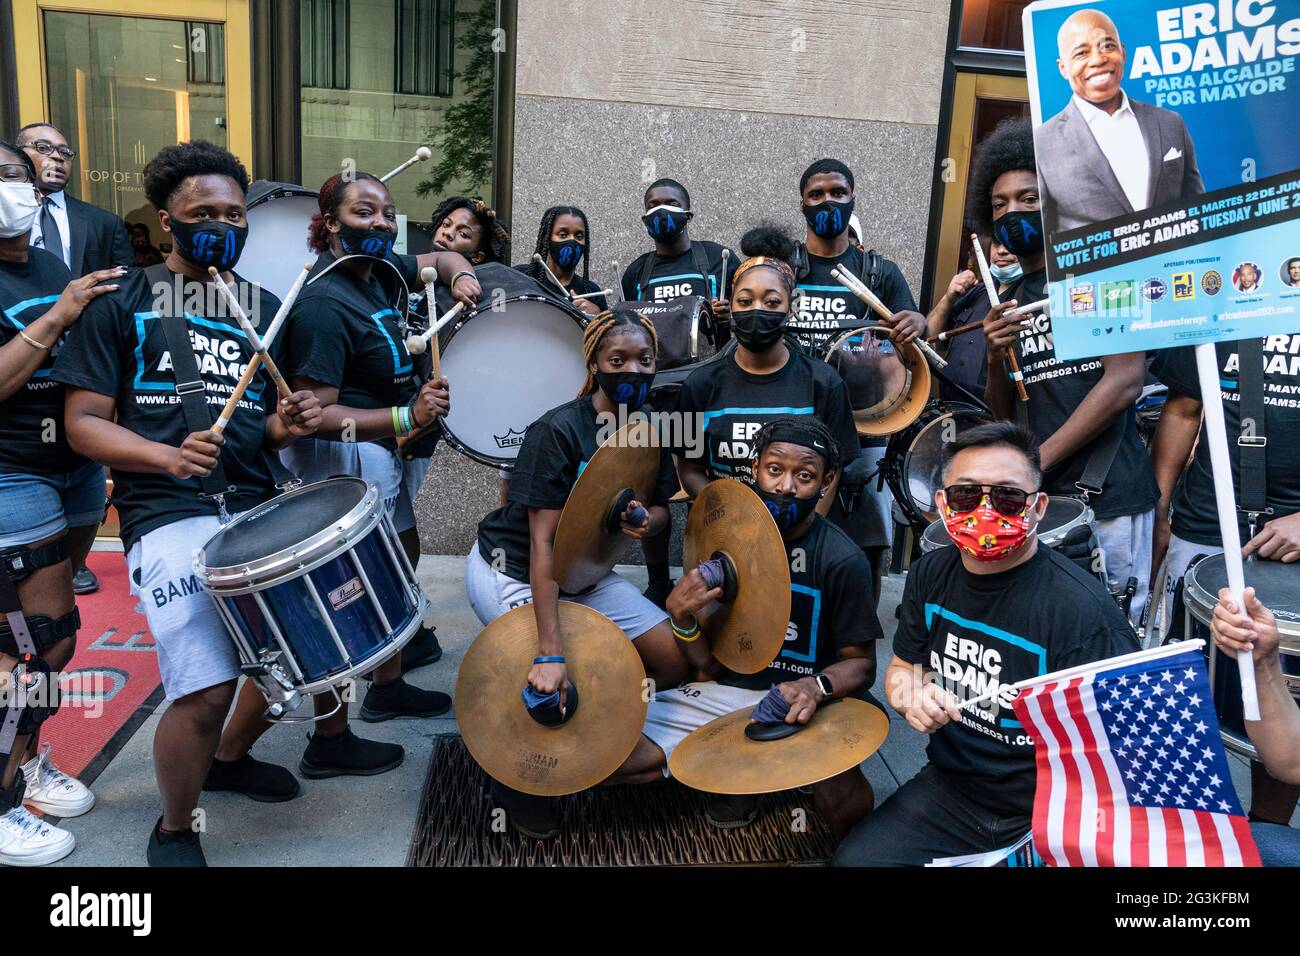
(888, 386)
(525, 755)
(719, 758)
(748, 633)
(585, 549)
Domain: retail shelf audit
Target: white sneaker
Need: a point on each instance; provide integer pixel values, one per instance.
(52, 791)
(27, 840)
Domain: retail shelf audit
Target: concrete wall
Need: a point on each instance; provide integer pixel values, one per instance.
(734, 98)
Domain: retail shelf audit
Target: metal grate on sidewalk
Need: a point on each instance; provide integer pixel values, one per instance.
(651, 825)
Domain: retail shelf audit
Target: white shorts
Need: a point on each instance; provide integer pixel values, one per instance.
(492, 593)
(673, 714)
(195, 650)
(399, 481)
(1177, 560)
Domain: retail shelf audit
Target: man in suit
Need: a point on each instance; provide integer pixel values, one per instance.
(85, 237)
(1104, 155)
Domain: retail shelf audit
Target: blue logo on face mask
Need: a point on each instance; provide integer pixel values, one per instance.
(205, 246)
(820, 226)
(566, 255)
(375, 246)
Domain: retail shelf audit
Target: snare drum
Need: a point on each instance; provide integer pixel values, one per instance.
(508, 364)
(1278, 587)
(888, 386)
(913, 465)
(313, 587)
(279, 215)
(1068, 526)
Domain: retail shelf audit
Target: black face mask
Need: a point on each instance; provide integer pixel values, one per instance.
(209, 243)
(626, 388)
(664, 224)
(758, 329)
(788, 510)
(567, 254)
(828, 219)
(376, 243)
(1021, 232)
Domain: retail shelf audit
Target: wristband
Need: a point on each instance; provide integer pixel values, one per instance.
(408, 421)
(688, 636)
(457, 276)
(32, 342)
(551, 659)
(397, 421)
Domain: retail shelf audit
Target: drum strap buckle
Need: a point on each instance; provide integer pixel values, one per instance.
(1086, 492)
(1252, 518)
(219, 499)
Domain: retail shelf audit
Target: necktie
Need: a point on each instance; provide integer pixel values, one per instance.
(51, 238)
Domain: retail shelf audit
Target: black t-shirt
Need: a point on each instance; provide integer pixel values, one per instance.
(118, 349)
(1195, 517)
(32, 438)
(967, 354)
(349, 334)
(735, 404)
(555, 450)
(983, 633)
(677, 276)
(830, 607)
(1056, 387)
(825, 306)
(577, 286)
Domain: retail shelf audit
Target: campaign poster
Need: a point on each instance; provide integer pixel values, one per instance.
(1167, 139)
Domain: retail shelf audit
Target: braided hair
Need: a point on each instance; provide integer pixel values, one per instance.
(602, 325)
(329, 200)
(543, 249)
(804, 430)
(494, 237)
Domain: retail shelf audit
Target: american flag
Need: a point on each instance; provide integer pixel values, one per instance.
(1131, 769)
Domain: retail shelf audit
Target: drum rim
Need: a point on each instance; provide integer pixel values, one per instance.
(300, 559)
(280, 191)
(1199, 599)
(918, 370)
(907, 455)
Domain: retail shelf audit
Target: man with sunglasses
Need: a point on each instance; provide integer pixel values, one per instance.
(996, 609)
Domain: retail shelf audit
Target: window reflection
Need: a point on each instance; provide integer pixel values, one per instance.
(993, 24)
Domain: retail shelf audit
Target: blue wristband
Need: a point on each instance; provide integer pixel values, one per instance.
(555, 659)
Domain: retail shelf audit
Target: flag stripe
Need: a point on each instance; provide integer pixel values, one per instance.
(1113, 847)
(1076, 726)
(1029, 712)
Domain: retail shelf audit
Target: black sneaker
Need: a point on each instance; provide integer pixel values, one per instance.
(84, 581)
(535, 817)
(732, 811)
(421, 650)
(346, 754)
(658, 596)
(255, 779)
(181, 848)
(400, 699)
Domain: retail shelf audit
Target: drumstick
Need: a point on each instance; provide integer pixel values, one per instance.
(588, 295)
(726, 254)
(421, 154)
(429, 276)
(972, 326)
(537, 257)
(416, 344)
(858, 288)
(256, 362)
(613, 267)
(250, 333)
(1012, 362)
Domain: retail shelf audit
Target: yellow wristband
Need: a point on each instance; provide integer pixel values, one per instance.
(690, 636)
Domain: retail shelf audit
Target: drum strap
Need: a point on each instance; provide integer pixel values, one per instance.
(1104, 449)
(697, 255)
(1252, 442)
(870, 274)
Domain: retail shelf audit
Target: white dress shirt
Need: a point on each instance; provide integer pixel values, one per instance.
(1121, 142)
(59, 209)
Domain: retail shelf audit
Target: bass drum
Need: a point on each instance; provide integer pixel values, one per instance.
(914, 457)
(278, 217)
(508, 363)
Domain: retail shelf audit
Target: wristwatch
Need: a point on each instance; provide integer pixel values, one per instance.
(824, 685)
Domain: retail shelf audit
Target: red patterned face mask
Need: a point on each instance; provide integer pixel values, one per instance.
(985, 533)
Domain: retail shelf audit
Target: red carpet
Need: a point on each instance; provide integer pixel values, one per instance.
(109, 687)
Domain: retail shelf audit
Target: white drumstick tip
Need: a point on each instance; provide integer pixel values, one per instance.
(416, 345)
(423, 153)
(428, 275)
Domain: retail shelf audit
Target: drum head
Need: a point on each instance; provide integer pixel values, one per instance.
(888, 387)
(276, 249)
(1276, 584)
(923, 461)
(506, 368)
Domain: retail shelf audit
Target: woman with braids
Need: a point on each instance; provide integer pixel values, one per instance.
(345, 342)
(829, 649)
(511, 563)
(470, 227)
(763, 378)
(564, 241)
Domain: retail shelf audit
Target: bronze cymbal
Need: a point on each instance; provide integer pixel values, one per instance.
(585, 550)
(719, 758)
(888, 386)
(521, 753)
(727, 517)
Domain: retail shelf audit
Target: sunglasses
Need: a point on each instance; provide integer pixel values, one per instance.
(1005, 499)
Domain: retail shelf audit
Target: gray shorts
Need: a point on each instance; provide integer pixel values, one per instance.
(492, 593)
(314, 459)
(673, 714)
(1178, 558)
(1126, 543)
(194, 649)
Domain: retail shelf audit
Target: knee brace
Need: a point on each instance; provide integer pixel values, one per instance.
(45, 631)
(21, 562)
